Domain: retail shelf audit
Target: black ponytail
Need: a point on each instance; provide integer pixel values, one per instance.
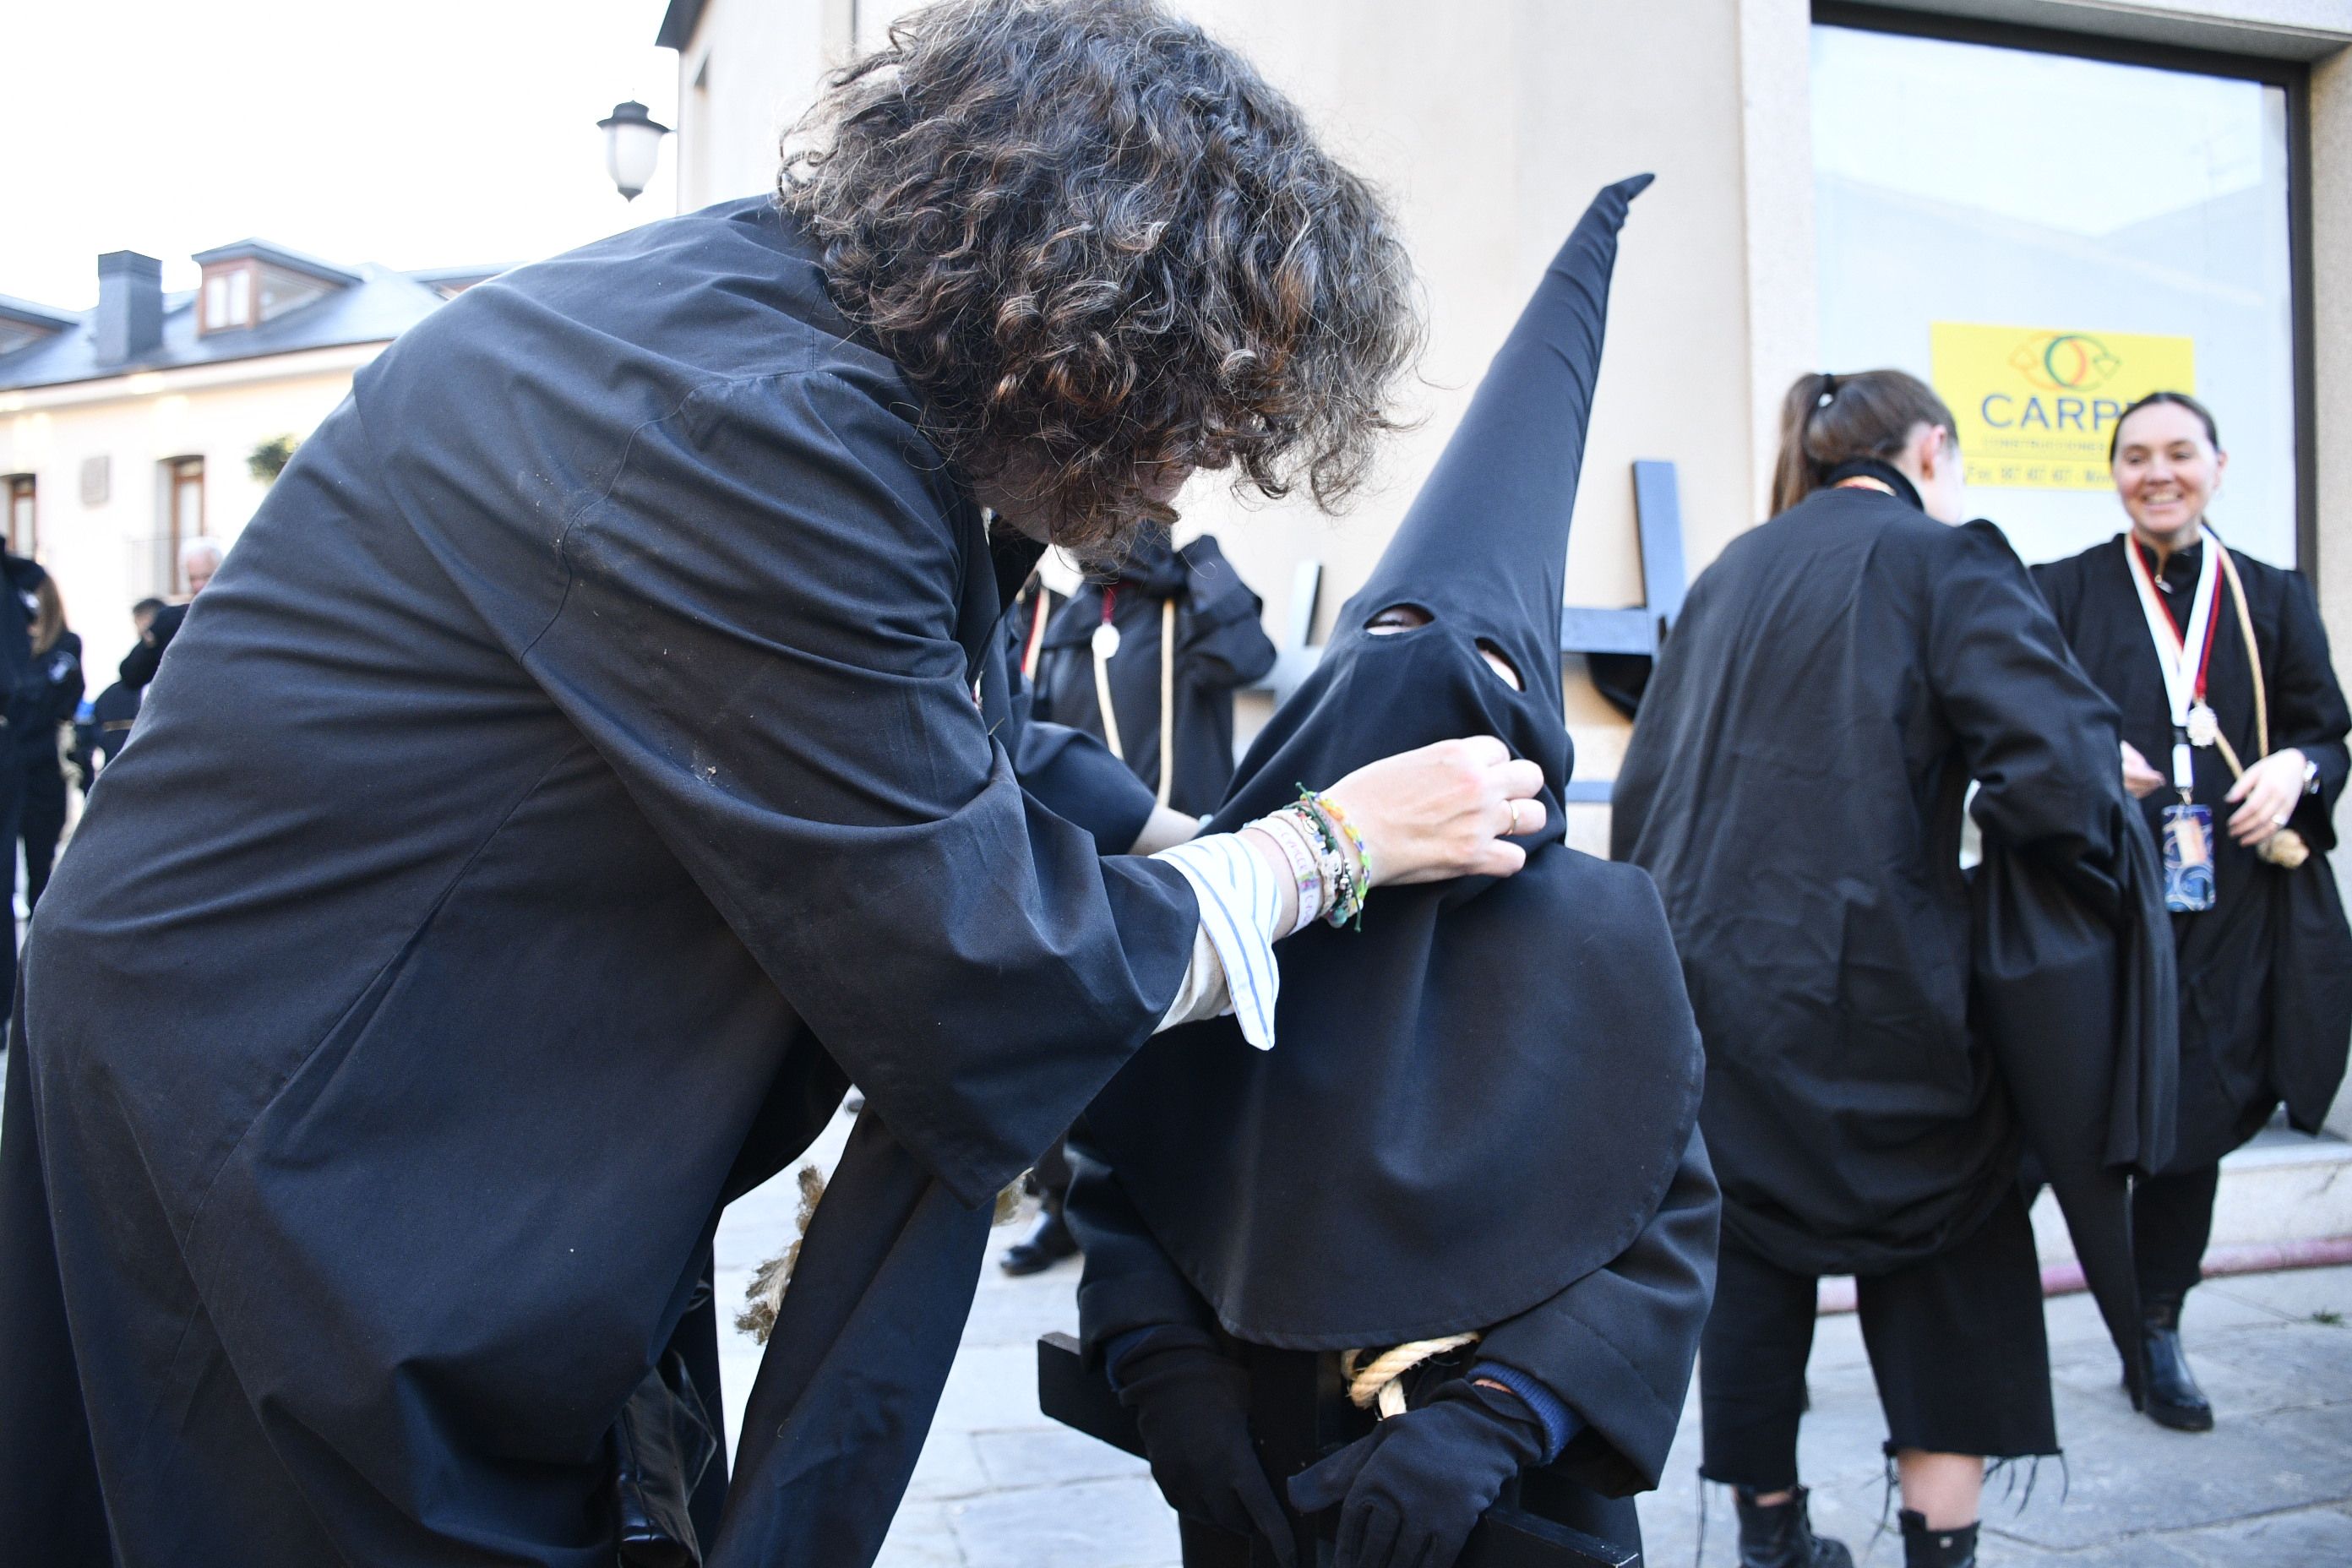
(1828, 419)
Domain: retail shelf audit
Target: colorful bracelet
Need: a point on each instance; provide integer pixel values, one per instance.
(1346, 875)
(1298, 847)
(1329, 807)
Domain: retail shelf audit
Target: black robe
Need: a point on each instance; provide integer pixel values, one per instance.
(583, 731)
(1220, 647)
(2265, 974)
(1795, 782)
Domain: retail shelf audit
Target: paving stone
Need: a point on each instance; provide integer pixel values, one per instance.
(992, 1387)
(1015, 1312)
(1050, 1456)
(948, 1467)
(922, 1536)
(1092, 1525)
(2296, 1294)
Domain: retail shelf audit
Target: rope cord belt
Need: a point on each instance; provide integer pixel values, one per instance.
(1167, 699)
(1380, 1382)
(1104, 645)
(2286, 848)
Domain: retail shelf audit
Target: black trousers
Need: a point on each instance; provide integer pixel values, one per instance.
(2172, 1219)
(44, 823)
(1956, 1343)
(1051, 1175)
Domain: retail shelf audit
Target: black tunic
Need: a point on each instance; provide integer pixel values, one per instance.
(2267, 973)
(1795, 780)
(1220, 647)
(583, 728)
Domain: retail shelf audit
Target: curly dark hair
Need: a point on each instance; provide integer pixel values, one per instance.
(1105, 252)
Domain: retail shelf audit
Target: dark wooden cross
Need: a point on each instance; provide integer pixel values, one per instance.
(1298, 1412)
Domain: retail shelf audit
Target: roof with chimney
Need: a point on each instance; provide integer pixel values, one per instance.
(137, 327)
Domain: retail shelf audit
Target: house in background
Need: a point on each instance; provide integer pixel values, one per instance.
(129, 428)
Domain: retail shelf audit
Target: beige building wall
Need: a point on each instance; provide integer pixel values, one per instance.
(751, 67)
(104, 556)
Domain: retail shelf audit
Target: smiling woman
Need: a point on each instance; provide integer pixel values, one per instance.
(2233, 736)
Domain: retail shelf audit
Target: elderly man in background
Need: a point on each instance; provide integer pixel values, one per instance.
(199, 558)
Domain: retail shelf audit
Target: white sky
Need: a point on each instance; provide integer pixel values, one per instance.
(410, 132)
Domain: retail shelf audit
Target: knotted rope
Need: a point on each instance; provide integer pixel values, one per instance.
(1381, 1381)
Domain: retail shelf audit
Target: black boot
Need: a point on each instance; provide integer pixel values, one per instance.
(1047, 1243)
(2174, 1399)
(1781, 1536)
(1926, 1548)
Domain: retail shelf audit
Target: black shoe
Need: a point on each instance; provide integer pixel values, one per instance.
(2174, 1399)
(1926, 1548)
(1046, 1244)
(1781, 1536)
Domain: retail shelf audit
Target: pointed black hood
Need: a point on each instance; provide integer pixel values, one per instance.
(1480, 1096)
(1484, 545)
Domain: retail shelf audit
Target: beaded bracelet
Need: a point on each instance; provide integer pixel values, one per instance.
(1298, 847)
(1332, 866)
(1332, 808)
(1346, 878)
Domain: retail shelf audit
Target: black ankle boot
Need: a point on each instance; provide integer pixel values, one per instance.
(1926, 1548)
(1047, 1243)
(1781, 1536)
(2174, 1399)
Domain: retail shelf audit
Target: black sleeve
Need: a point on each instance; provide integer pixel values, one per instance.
(756, 629)
(1130, 1283)
(2040, 740)
(1617, 1346)
(62, 669)
(2307, 709)
(1226, 645)
(146, 654)
(1073, 776)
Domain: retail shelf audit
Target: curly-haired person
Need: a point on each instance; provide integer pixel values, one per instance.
(604, 750)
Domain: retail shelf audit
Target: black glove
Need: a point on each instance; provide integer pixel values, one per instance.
(1193, 1406)
(1415, 1485)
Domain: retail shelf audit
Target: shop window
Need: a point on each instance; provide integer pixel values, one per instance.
(2045, 235)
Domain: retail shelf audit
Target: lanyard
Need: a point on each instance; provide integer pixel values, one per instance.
(2182, 659)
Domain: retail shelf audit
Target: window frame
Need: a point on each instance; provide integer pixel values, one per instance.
(226, 274)
(26, 486)
(187, 471)
(2293, 75)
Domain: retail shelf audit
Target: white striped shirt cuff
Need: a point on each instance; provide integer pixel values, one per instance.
(1241, 905)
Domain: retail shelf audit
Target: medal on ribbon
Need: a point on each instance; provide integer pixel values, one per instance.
(2183, 660)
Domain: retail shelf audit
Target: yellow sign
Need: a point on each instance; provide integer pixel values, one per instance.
(2036, 406)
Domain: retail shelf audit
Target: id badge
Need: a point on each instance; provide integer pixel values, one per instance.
(2188, 858)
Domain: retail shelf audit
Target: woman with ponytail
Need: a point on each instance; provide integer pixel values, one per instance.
(1837, 680)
